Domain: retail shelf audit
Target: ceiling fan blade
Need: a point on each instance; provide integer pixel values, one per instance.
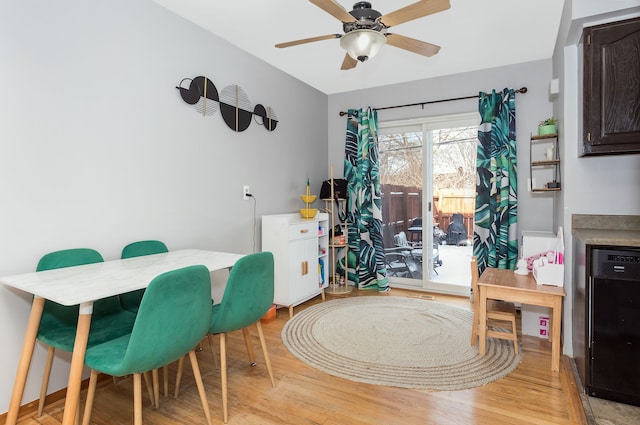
(412, 45)
(414, 11)
(348, 63)
(334, 9)
(308, 40)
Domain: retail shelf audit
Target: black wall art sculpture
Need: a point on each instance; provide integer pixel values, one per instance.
(233, 103)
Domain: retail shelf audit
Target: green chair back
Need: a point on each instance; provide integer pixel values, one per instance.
(248, 294)
(59, 314)
(58, 323)
(140, 248)
(131, 300)
(174, 316)
(79, 257)
(69, 258)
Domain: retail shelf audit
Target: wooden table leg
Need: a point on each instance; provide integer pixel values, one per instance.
(25, 359)
(482, 332)
(249, 345)
(77, 363)
(556, 320)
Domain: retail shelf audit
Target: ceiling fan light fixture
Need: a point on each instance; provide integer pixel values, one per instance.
(362, 44)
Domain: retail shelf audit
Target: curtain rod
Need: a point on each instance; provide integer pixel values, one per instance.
(520, 90)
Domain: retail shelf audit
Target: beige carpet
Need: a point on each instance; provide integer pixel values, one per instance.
(396, 341)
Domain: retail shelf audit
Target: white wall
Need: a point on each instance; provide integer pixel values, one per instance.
(98, 148)
(591, 185)
(535, 211)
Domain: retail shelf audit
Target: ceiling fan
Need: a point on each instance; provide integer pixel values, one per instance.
(365, 29)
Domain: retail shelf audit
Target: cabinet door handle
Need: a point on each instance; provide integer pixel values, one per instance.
(303, 231)
(589, 308)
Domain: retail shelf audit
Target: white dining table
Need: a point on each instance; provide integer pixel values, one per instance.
(82, 285)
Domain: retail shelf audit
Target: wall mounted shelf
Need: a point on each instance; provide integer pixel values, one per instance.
(544, 162)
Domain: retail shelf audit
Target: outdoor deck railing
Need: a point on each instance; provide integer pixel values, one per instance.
(402, 204)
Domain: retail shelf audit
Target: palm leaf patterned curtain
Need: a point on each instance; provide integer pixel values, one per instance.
(364, 209)
(495, 239)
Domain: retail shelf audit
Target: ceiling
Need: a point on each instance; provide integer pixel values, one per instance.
(473, 35)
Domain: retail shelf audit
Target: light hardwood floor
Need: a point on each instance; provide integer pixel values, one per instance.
(532, 394)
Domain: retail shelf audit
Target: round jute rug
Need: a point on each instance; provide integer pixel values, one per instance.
(396, 341)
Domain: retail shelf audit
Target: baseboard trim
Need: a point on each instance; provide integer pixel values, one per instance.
(579, 407)
(30, 409)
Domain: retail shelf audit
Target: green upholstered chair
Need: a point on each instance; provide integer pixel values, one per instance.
(247, 297)
(131, 300)
(58, 323)
(174, 316)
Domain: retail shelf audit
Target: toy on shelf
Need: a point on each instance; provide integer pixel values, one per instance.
(308, 199)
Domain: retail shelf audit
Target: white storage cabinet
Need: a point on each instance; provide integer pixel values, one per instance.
(299, 246)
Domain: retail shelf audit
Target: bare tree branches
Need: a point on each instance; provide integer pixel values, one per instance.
(454, 158)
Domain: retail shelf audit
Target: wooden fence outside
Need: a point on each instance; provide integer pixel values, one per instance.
(402, 204)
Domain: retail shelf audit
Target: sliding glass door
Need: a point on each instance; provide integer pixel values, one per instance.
(427, 170)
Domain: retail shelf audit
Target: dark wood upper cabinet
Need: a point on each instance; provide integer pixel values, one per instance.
(612, 88)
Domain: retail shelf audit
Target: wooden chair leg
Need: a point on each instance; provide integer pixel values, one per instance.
(265, 352)
(200, 385)
(149, 386)
(77, 419)
(223, 375)
(91, 392)
(216, 365)
(165, 376)
(474, 330)
(515, 335)
(156, 388)
(247, 342)
(179, 376)
(137, 399)
(45, 380)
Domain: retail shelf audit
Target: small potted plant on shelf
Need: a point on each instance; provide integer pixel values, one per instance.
(547, 126)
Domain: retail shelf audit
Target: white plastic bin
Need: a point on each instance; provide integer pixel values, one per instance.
(535, 320)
